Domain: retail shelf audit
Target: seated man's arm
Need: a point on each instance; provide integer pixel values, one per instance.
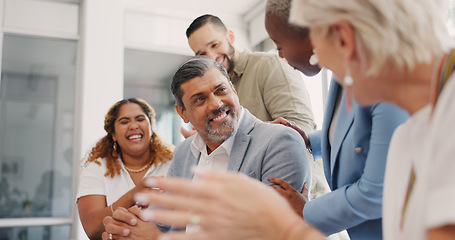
(286, 158)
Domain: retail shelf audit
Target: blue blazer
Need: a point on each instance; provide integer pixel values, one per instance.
(354, 167)
(260, 150)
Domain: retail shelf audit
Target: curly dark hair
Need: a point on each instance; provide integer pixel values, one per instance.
(104, 148)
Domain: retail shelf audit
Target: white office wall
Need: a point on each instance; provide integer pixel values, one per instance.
(255, 24)
(155, 32)
(101, 64)
(163, 30)
(44, 17)
(101, 73)
(257, 29)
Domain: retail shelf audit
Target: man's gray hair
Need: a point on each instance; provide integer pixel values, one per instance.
(194, 67)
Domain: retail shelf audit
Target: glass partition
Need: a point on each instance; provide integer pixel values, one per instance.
(36, 135)
(36, 232)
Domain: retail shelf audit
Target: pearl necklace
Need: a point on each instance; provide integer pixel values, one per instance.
(145, 167)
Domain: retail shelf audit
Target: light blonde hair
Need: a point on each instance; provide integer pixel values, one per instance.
(388, 33)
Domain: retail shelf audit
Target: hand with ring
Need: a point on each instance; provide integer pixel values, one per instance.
(194, 219)
(240, 208)
(125, 224)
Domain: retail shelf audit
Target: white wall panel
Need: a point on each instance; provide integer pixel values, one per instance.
(101, 76)
(41, 16)
(257, 29)
(102, 66)
(165, 31)
(155, 32)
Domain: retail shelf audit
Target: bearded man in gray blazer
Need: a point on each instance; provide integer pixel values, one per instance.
(228, 138)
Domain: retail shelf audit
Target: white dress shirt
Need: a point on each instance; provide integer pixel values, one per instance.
(218, 159)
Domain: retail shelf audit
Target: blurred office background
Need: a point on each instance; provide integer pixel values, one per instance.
(65, 62)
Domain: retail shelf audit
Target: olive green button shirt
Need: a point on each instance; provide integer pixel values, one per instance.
(269, 88)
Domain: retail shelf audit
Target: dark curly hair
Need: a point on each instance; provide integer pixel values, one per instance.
(104, 148)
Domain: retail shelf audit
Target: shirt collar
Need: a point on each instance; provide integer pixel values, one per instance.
(239, 67)
(198, 145)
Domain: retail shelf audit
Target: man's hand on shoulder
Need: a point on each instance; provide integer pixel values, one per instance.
(294, 126)
(187, 133)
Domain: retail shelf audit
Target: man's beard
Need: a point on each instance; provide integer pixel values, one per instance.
(230, 57)
(226, 129)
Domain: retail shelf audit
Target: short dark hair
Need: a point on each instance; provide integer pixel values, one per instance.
(194, 67)
(202, 20)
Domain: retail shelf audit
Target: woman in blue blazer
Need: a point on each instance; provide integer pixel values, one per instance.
(354, 165)
(353, 145)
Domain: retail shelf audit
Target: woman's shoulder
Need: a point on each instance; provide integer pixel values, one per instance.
(99, 163)
(389, 110)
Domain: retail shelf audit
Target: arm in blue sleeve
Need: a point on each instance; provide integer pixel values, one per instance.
(355, 203)
(315, 142)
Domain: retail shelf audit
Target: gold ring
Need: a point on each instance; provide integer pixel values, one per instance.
(194, 219)
(110, 236)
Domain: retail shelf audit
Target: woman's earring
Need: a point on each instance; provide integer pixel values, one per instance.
(348, 82)
(314, 59)
(114, 153)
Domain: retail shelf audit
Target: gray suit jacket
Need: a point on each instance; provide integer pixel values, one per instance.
(261, 150)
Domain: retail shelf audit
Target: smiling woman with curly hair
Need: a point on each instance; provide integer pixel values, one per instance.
(120, 161)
